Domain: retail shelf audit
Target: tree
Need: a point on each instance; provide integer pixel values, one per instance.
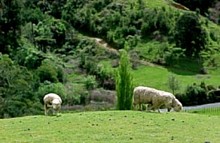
(189, 34)
(17, 95)
(10, 24)
(124, 86)
(50, 34)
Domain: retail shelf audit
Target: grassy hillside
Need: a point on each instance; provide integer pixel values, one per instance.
(157, 77)
(49, 46)
(112, 126)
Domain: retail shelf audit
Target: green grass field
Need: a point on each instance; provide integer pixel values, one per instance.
(112, 127)
(157, 77)
(207, 111)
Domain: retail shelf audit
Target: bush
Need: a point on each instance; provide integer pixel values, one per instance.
(161, 20)
(199, 94)
(104, 76)
(214, 96)
(160, 53)
(213, 61)
(196, 94)
(47, 73)
(28, 55)
(49, 34)
(90, 82)
(173, 83)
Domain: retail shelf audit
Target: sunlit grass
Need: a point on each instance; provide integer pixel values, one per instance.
(157, 77)
(207, 111)
(112, 127)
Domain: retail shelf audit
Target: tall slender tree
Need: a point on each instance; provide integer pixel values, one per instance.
(124, 85)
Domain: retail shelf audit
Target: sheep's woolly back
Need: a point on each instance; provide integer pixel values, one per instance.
(144, 94)
(155, 98)
(52, 98)
(56, 101)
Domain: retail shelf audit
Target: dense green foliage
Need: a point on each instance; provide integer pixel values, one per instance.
(189, 24)
(197, 94)
(54, 46)
(124, 86)
(10, 25)
(17, 90)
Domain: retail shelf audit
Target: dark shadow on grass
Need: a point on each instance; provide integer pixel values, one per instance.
(185, 66)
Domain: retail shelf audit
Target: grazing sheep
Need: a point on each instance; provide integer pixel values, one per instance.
(52, 100)
(156, 99)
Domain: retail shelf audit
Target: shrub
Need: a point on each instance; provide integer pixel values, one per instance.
(196, 95)
(28, 55)
(104, 76)
(213, 60)
(75, 94)
(157, 19)
(160, 53)
(47, 73)
(90, 82)
(214, 96)
(173, 83)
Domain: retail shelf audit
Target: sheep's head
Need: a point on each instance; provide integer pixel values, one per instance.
(177, 105)
(56, 104)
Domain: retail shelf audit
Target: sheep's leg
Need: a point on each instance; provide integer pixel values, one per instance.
(45, 109)
(134, 106)
(140, 107)
(149, 106)
(168, 109)
(155, 107)
(59, 109)
(144, 107)
(54, 112)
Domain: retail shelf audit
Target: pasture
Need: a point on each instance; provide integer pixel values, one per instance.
(112, 127)
(157, 77)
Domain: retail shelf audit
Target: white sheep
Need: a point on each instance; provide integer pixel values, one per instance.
(53, 101)
(156, 99)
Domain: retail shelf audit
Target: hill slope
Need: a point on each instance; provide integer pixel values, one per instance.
(49, 49)
(112, 126)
